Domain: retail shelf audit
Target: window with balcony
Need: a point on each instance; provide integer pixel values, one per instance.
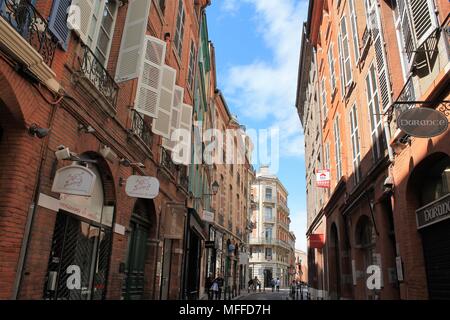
(268, 234)
(268, 253)
(268, 194)
(268, 213)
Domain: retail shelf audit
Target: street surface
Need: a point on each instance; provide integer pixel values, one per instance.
(268, 295)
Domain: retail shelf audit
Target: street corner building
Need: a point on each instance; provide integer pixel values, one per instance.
(378, 180)
(88, 186)
(272, 244)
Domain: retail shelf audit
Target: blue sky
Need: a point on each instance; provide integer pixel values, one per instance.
(257, 46)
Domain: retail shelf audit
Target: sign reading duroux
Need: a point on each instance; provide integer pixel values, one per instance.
(142, 187)
(434, 212)
(75, 180)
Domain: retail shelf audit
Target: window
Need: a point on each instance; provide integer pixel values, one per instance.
(268, 233)
(191, 66)
(268, 253)
(179, 32)
(436, 182)
(269, 194)
(162, 5)
(331, 66)
(101, 29)
(354, 135)
(324, 99)
(268, 213)
(354, 26)
(337, 148)
(378, 142)
(346, 63)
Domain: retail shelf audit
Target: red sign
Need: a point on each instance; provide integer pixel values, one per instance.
(323, 178)
(316, 241)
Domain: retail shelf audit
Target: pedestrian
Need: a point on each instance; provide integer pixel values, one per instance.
(219, 280)
(278, 284)
(208, 284)
(257, 284)
(272, 284)
(215, 289)
(250, 285)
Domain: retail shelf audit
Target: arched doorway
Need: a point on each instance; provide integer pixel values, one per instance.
(140, 231)
(335, 265)
(365, 239)
(81, 245)
(430, 186)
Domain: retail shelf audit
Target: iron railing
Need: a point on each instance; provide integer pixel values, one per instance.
(93, 69)
(183, 179)
(142, 129)
(31, 25)
(401, 104)
(166, 162)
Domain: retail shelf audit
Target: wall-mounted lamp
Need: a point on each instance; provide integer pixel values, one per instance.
(128, 163)
(82, 128)
(37, 131)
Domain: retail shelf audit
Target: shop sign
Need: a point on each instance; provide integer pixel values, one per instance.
(434, 212)
(142, 187)
(74, 180)
(323, 178)
(422, 122)
(316, 241)
(208, 216)
(87, 207)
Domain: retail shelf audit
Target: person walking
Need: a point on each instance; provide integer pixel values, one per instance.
(272, 284)
(220, 283)
(208, 284)
(215, 289)
(278, 284)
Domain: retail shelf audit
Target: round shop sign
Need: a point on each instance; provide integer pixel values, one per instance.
(422, 122)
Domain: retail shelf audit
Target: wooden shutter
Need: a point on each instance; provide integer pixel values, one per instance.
(150, 77)
(407, 34)
(380, 53)
(423, 19)
(133, 40)
(341, 65)
(186, 125)
(346, 53)
(354, 26)
(86, 11)
(162, 122)
(176, 116)
(58, 22)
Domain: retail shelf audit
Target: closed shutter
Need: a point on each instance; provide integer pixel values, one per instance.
(341, 65)
(380, 53)
(86, 10)
(133, 40)
(182, 153)
(162, 122)
(58, 22)
(150, 78)
(176, 116)
(423, 19)
(354, 25)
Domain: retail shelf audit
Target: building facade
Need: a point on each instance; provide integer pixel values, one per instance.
(88, 104)
(272, 244)
(366, 79)
(301, 266)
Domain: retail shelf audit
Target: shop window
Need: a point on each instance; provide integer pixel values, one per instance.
(436, 183)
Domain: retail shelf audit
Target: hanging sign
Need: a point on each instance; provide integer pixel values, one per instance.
(316, 241)
(74, 180)
(142, 187)
(422, 122)
(323, 178)
(208, 216)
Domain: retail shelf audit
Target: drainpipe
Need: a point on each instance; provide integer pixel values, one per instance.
(388, 139)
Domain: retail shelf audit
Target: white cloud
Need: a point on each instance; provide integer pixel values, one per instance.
(298, 226)
(266, 90)
(230, 6)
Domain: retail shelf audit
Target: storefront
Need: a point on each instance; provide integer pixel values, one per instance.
(82, 238)
(433, 223)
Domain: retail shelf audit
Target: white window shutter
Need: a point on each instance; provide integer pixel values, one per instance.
(86, 12)
(341, 65)
(133, 40)
(162, 122)
(176, 116)
(380, 53)
(186, 126)
(150, 78)
(346, 53)
(423, 19)
(407, 34)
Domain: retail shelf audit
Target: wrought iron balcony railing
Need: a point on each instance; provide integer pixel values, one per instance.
(166, 161)
(93, 69)
(404, 102)
(31, 25)
(142, 129)
(183, 179)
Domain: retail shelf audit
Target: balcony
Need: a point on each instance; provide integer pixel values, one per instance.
(269, 241)
(141, 129)
(24, 32)
(284, 207)
(96, 80)
(267, 199)
(183, 179)
(268, 219)
(167, 163)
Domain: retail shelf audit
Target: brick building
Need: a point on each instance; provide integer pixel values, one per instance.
(99, 98)
(366, 78)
